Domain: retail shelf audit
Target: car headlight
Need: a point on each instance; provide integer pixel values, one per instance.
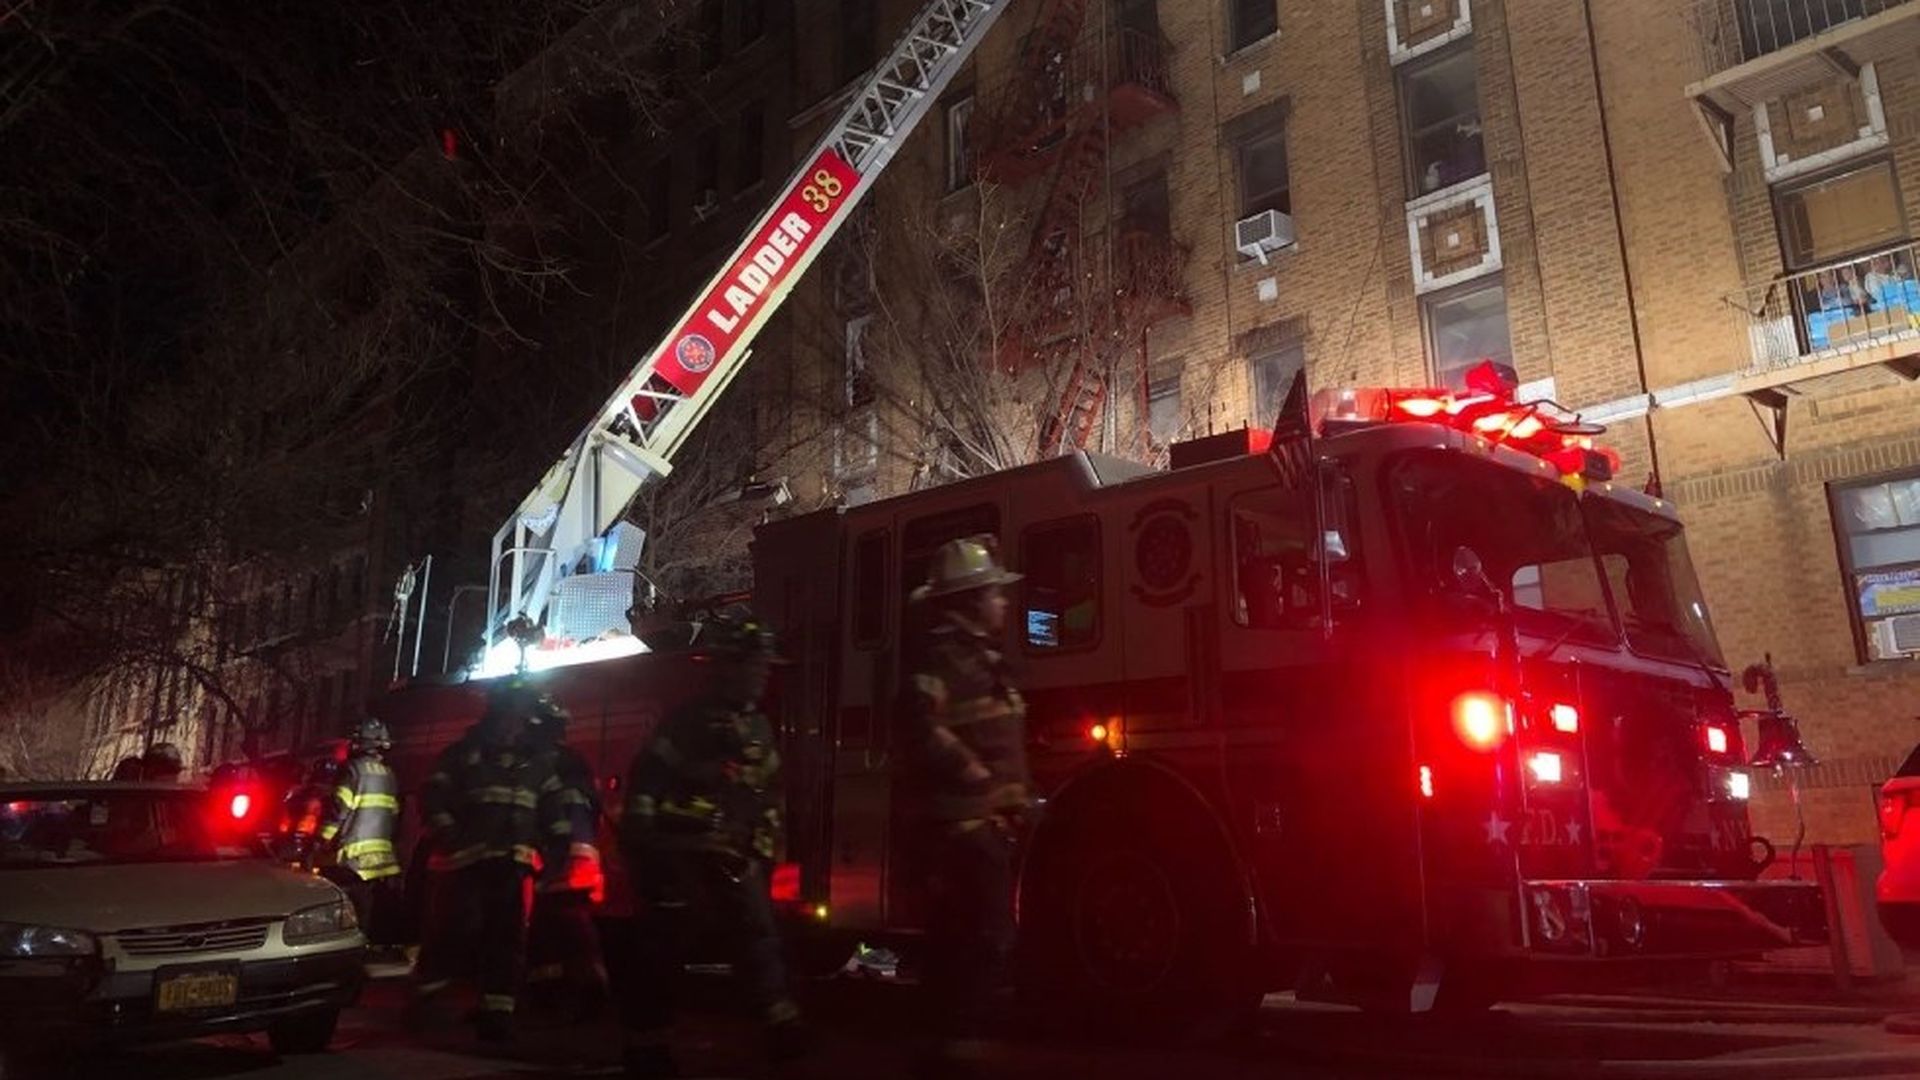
(320, 921)
(19, 940)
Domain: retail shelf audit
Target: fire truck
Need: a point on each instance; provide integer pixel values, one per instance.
(1402, 704)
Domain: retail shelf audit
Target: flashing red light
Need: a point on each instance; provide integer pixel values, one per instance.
(785, 888)
(1426, 781)
(1546, 767)
(240, 805)
(1716, 739)
(1480, 719)
(1893, 812)
(1566, 719)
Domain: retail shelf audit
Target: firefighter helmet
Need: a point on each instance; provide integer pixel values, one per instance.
(738, 639)
(372, 734)
(963, 565)
(549, 717)
(162, 762)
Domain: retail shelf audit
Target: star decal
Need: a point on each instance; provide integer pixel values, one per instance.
(1497, 827)
(1573, 832)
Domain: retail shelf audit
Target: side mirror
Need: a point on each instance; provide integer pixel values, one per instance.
(1470, 573)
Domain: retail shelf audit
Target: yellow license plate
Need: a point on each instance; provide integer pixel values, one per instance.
(198, 990)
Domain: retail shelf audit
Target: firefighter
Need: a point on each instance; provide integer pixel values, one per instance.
(489, 806)
(127, 769)
(966, 755)
(364, 808)
(162, 763)
(303, 814)
(701, 825)
(563, 948)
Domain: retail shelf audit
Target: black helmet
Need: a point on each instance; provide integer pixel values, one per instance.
(738, 639)
(372, 734)
(162, 757)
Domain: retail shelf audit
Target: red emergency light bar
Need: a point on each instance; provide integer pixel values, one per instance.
(1486, 409)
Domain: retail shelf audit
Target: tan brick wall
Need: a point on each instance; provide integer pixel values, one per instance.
(1603, 279)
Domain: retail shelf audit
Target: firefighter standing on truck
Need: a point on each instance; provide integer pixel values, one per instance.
(490, 806)
(966, 745)
(701, 826)
(360, 823)
(563, 948)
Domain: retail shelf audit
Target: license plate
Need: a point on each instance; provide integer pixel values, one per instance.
(190, 990)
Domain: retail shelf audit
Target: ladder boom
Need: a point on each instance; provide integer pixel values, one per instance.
(635, 435)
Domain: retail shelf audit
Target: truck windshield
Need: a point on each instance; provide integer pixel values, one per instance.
(1527, 532)
(1652, 581)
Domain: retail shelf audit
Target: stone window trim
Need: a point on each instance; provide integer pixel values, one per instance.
(959, 160)
(1477, 192)
(1399, 50)
(1781, 193)
(1875, 137)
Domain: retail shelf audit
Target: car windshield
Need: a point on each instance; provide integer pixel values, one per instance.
(109, 826)
(1527, 531)
(1652, 581)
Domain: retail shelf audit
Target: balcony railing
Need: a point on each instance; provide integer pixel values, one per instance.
(1732, 32)
(1868, 301)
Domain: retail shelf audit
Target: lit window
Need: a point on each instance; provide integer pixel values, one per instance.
(1440, 119)
(1273, 374)
(1466, 327)
(959, 147)
(1841, 217)
(1879, 523)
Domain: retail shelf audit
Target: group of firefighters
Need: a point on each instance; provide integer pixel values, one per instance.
(512, 817)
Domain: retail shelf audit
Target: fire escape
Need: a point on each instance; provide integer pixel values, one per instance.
(1075, 90)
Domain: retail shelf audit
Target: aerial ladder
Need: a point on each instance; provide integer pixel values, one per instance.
(560, 564)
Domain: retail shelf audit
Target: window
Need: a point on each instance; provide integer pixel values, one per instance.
(1163, 410)
(753, 20)
(1260, 166)
(753, 131)
(1440, 118)
(857, 450)
(1062, 584)
(859, 385)
(1879, 526)
(1840, 216)
(869, 587)
(1249, 21)
(1273, 372)
(713, 43)
(706, 174)
(1465, 327)
(959, 146)
(923, 536)
(1146, 206)
(856, 38)
(1275, 569)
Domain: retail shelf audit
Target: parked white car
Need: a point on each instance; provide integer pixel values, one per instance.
(128, 913)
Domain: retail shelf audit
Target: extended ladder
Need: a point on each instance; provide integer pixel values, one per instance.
(635, 435)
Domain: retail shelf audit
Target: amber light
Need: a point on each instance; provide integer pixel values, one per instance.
(1098, 733)
(1480, 719)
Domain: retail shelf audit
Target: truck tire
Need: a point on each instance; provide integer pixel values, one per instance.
(1132, 926)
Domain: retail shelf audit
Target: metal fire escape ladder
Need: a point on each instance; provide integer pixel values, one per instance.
(635, 435)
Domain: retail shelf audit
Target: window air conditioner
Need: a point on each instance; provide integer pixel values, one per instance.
(1266, 231)
(1906, 633)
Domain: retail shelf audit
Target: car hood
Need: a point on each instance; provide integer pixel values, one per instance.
(110, 898)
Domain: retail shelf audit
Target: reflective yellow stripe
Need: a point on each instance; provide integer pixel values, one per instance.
(379, 802)
(561, 828)
(346, 797)
(375, 873)
(360, 847)
(573, 797)
(440, 819)
(329, 831)
(506, 796)
(497, 1002)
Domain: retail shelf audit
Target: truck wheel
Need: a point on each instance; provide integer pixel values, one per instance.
(1130, 935)
(308, 1033)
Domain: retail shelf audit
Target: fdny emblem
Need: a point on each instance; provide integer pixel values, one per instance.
(1163, 553)
(695, 353)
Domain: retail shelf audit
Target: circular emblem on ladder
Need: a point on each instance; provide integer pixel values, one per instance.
(695, 353)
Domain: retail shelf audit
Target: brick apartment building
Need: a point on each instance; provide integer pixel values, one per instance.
(1683, 219)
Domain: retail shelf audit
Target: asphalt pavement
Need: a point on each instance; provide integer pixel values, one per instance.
(866, 1031)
